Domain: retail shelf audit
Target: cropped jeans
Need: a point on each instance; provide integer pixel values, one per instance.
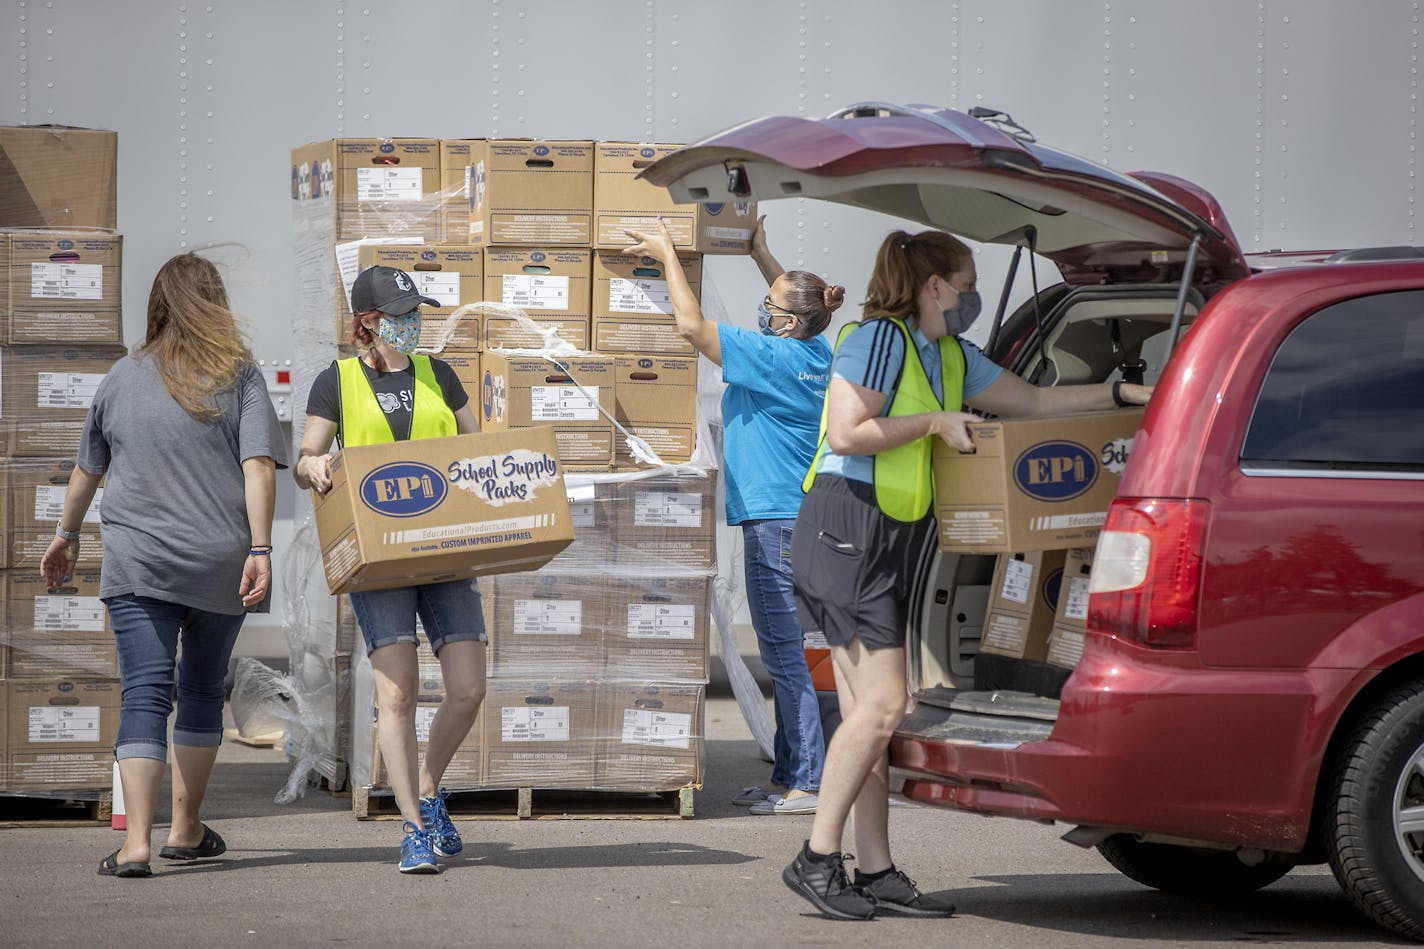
(148, 632)
(799, 747)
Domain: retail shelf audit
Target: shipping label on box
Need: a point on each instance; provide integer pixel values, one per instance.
(622, 201)
(60, 289)
(632, 306)
(45, 393)
(540, 733)
(438, 509)
(1023, 598)
(656, 400)
(452, 274)
(375, 187)
(63, 715)
(547, 624)
(518, 391)
(667, 523)
(657, 628)
(552, 286)
(54, 176)
(54, 632)
(1032, 484)
(31, 501)
(650, 735)
(531, 192)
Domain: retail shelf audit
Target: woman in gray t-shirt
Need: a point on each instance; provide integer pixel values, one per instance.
(184, 437)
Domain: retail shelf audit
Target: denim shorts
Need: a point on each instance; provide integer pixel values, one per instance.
(450, 613)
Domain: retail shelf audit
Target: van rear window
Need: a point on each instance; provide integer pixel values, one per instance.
(1345, 391)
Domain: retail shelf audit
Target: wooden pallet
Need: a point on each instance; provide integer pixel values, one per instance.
(373, 803)
(67, 809)
(269, 740)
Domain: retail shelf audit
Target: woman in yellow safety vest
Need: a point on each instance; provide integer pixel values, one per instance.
(866, 530)
(391, 393)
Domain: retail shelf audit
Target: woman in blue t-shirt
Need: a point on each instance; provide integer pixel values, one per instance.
(771, 410)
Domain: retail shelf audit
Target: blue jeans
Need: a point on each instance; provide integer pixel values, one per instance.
(147, 632)
(799, 747)
(450, 612)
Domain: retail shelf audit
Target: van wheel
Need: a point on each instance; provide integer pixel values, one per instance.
(1190, 871)
(1374, 814)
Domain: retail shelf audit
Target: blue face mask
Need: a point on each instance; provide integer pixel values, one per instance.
(401, 333)
(764, 320)
(959, 319)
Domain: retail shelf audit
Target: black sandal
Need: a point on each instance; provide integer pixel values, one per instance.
(110, 867)
(212, 845)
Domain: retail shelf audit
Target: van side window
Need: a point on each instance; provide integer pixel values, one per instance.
(1345, 391)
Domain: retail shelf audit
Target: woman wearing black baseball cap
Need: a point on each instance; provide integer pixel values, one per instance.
(392, 393)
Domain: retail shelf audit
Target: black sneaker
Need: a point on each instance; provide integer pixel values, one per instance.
(825, 884)
(896, 893)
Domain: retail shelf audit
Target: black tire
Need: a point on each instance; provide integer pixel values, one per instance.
(1190, 871)
(1379, 773)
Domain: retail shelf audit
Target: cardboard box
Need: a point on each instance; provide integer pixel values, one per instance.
(623, 201)
(551, 286)
(62, 733)
(656, 399)
(58, 176)
(657, 628)
(45, 393)
(440, 509)
(1032, 484)
(519, 391)
(547, 624)
(667, 523)
(592, 508)
(51, 632)
(466, 768)
(31, 501)
(454, 188)
(1022, 600)
(632, 308)
(375, 187)
(1065, 642)
(452, 274)
(4, 733)
(650, 735)
(531, 192)
(540, 733)
(60, 289)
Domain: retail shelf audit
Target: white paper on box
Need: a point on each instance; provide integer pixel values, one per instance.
(444, 287)
(639, 296)
(535, 292)
(49, 503)
(537, 723)
(389, 184)
(348, 260)
(59, 281)
(424, 715)
(814, 639)
(582, 513)
(67, 390)
(1076, 606)
(662, 729)
(563, 403)
(1018, 581)
(74, 614)
(662, 509)
(76, 724)
(548, 617)
(728, 233)
(662, 621)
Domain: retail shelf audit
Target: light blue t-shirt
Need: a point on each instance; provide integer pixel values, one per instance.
(771, 416)
(871, 356)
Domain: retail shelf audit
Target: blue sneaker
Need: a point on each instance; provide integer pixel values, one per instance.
(443, 835)
(416, 853)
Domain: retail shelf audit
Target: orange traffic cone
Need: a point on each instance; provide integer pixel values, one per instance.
(118, 819)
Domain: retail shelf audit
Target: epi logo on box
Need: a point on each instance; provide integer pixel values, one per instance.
(1051, 587)
(492, 397)
(1055, 471)
(403, 489)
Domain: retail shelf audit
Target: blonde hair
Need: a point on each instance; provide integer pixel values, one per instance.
(192, 334)
(903, 264)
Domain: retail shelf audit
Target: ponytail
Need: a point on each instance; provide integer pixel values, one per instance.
(903, 264)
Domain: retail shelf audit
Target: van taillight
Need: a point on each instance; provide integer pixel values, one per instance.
(1147, 571)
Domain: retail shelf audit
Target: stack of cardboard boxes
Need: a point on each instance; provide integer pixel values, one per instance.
(521, 240)
(60, 331)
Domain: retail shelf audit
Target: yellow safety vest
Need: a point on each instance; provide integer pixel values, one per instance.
(363, 422)
(904, 476)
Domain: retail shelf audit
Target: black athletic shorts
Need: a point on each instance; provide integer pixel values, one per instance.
(857, 572)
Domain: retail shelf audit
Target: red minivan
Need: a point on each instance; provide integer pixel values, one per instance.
(1251, 691)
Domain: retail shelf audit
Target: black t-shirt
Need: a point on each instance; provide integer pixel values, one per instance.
(395, 391)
